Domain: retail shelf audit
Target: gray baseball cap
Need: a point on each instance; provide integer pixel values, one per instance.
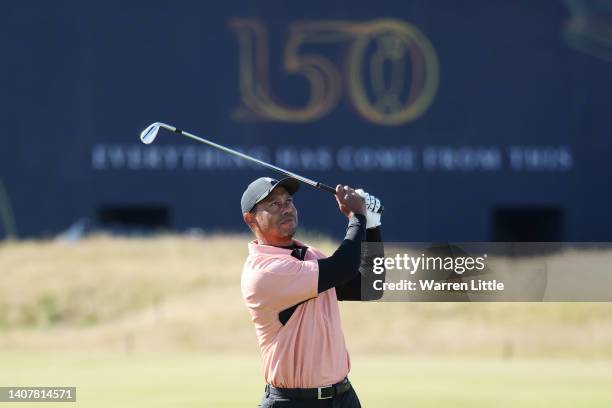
(262, 187)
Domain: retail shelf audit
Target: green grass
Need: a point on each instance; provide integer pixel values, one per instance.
(235, 380)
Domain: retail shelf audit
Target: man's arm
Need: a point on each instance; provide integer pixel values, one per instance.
(347, 261)
(344, 264)
(355, 281)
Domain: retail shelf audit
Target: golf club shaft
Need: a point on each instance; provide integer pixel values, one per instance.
(306, 180)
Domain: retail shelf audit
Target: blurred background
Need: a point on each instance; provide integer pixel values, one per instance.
(473, 121)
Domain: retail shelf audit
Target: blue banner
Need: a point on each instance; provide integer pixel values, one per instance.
(472, 122)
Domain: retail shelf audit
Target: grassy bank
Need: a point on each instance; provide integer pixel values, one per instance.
(176, 293)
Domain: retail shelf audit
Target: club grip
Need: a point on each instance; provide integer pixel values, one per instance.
(326, 188)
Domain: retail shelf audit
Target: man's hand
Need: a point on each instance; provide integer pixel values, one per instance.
(349, 201)
(373, 206)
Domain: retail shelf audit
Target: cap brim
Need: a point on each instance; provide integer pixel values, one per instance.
(290, 184)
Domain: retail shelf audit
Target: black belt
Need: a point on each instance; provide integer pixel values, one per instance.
(327, 392)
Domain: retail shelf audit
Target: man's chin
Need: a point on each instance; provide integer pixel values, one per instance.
(289, 230)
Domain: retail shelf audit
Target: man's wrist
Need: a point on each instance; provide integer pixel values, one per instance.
(357, 218)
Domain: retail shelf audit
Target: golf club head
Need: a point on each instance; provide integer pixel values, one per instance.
(148, 135)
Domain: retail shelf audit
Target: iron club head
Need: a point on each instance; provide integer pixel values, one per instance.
(150, 133)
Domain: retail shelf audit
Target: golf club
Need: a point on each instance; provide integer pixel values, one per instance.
(148, 136)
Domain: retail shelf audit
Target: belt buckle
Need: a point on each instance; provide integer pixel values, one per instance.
(320, 392)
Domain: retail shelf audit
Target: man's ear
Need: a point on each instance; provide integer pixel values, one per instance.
(249, 219)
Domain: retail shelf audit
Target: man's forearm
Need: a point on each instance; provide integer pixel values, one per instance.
(344, 264)
(361, 288)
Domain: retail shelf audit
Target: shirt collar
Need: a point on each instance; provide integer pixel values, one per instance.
(257, 248)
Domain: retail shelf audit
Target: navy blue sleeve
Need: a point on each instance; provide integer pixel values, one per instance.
(343, 265)
(360, 287)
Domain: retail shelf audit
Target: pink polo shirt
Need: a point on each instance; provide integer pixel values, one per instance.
(309, 351)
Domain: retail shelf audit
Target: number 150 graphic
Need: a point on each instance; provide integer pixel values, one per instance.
(390, 72)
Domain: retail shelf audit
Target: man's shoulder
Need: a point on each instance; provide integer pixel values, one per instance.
(266, 258)
(257, 264)
(317, 253)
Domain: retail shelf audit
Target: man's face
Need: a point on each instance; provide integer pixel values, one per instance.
(275, 218)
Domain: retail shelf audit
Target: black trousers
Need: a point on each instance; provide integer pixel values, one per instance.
(347, 399)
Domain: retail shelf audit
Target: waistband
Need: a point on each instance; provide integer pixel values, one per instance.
(326, 392)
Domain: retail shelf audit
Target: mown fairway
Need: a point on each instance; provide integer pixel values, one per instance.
(234, 380)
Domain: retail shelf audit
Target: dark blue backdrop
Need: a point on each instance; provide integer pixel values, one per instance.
(514, 142)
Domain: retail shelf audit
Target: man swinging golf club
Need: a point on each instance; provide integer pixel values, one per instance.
(292, 293)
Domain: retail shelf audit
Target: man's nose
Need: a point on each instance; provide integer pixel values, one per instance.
(287, 207)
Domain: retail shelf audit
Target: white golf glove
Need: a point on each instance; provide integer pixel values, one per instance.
(372, 206)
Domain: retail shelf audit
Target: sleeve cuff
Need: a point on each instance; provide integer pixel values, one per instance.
(374, 234)
(357, 219)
